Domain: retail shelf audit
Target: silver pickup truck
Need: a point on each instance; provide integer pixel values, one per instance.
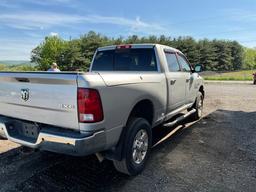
(109, 111)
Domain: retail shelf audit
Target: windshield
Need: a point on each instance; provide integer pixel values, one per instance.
(125, 60)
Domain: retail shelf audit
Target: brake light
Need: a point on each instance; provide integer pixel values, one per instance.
(124, 46)
(89, 105)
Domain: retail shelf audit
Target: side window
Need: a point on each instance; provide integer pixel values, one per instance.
(184, 64)
(172, 62)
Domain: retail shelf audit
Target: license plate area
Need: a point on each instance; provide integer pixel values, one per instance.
(22, 130)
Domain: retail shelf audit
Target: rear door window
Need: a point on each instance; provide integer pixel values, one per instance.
(125, 60)
(184, 64)
(172, 62)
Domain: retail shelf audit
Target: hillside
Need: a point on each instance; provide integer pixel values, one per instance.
(14, 62)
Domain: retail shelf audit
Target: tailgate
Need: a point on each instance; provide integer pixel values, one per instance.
(49, 98)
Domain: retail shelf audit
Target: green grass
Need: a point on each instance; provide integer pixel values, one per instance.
(245, 75)
(22, 67)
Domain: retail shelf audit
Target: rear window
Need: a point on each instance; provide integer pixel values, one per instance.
(125, 60)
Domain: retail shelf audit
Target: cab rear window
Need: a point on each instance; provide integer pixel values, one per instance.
(125, 60)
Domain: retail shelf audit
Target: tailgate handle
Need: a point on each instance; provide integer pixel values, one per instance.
(23, 80)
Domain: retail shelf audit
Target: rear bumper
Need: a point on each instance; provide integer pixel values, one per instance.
(59, 141)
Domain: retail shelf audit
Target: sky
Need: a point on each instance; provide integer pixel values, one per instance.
(25, 23)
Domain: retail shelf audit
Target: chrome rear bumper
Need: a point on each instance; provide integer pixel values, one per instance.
(78, 144)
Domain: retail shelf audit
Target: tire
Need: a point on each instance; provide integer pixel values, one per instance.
(136, 147)
(198, 106)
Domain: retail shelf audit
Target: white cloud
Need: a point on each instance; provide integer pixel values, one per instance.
(30, 23)
(240, 15)
(43, 20)
(6, 4)
(17, 49)
(37, 20)
(54, 34)
(38, 2)
(135, 25)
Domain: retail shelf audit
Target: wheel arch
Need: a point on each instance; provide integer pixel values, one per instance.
(144, 108)
(201, 89)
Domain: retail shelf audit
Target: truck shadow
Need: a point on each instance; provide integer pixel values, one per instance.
(45, 171)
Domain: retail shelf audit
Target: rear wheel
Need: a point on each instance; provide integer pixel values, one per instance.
(198, 106)
(136, 147)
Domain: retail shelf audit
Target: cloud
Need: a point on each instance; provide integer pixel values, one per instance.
(35, 20)
(43, 20)
(39, 2)
(34, 25)
(135, 25)
(14, 49)
(54, 34)
(5, 4)
(240, 15)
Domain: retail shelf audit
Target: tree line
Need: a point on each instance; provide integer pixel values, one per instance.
(76, 54)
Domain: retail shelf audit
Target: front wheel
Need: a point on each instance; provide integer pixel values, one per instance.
(136, 147)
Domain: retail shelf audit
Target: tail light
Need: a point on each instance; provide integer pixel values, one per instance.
(124, 46)
(89, 105)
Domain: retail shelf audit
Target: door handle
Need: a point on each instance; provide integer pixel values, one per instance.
(172, 81)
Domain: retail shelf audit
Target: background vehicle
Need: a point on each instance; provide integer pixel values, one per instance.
(109, 111)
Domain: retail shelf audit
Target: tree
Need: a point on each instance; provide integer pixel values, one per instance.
(71, 58)
(78, 53)
(249, 58)
(48, 52)
(223, 59)
(89, 43)
(207, 54)
(237, 55)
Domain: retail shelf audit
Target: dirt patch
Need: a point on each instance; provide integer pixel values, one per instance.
(6, 145)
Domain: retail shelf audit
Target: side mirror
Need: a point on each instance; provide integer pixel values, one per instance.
(198, 68)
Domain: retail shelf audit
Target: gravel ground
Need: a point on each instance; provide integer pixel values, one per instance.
(217, 153)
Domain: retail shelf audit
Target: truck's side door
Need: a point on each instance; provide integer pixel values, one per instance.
(175, 81)
(190, 84)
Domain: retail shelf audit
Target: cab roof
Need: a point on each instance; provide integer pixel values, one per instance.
(141, 45)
